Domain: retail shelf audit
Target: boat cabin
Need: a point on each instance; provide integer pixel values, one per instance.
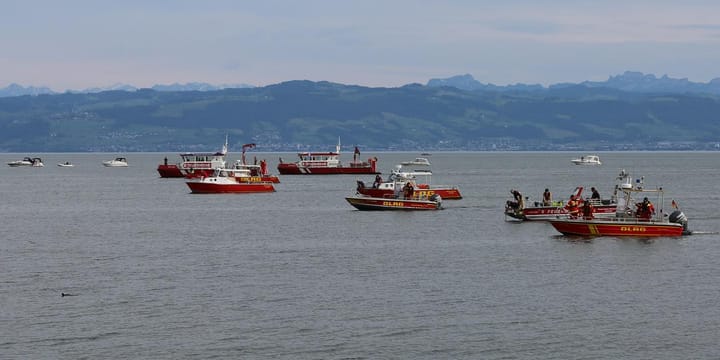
(202, 161)
(587, 160)
(237, 173)
(326, 159)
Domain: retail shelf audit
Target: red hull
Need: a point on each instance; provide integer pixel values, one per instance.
(371, 203)
(169, 171)
(240, 188)
(293, 169)
(616, 228)
(270, 178)
(445, 193)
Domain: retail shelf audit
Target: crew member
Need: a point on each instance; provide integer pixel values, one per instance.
(378, 181)
(595, 194)
(645, 210)
(547, 198)
(587, 210)
(518, 203)
(572, 207)
(408, 190)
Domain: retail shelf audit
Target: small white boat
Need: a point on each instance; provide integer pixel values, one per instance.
(28, 161)
(117, 162)
(417, 161)
(587, 160)
(65, 164)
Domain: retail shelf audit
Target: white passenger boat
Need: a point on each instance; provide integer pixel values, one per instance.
(417, 161)
(117, 162)
(27, 161)
(587, 160)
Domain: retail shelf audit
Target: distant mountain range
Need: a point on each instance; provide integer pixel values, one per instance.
(629, 81)
(19, 90)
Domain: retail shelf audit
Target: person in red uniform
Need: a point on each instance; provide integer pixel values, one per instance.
(572, 207)
(587, 210)
(645, 210)
(408, 190)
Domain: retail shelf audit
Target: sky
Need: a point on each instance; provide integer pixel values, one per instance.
(79, 44)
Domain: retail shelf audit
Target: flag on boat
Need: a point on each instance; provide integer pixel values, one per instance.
(674, 204)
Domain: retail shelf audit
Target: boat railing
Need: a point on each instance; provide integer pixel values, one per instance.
(631, 220)
(454, 187)
(554, 204)
(600, 202)
(423, 195)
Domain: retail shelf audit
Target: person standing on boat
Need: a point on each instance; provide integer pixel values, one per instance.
(587, 210)
(595, 194)
(519, 204)
(547, 198)
(408, 190)
(378, 181)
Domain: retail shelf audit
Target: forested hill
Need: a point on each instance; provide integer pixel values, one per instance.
(412, 117)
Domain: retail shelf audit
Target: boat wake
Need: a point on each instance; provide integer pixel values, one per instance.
(703, 232)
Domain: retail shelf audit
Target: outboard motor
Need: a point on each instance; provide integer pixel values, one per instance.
(436, 197)
(679, 217)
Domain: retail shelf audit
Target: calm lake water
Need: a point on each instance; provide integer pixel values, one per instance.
(160, 273)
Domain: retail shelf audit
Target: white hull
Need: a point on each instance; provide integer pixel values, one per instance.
(117, 162)
(587, 160)
(34, 162)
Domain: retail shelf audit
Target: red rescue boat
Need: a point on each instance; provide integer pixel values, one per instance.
(419, 178)
(632, 218)
(223, 181)
(327, 163)
(195, 164)
(408, 199)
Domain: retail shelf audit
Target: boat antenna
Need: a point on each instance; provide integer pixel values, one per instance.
(245, 147)
(337, 148)
(225, 146)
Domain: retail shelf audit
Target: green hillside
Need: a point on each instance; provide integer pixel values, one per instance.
(279, 117)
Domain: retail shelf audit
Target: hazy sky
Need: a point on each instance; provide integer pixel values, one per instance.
(79, 44)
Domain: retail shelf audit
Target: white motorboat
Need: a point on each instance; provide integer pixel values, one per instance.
(587, 160)
(27, 161)
(117, 162)
(65, 164)
(417, 161)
